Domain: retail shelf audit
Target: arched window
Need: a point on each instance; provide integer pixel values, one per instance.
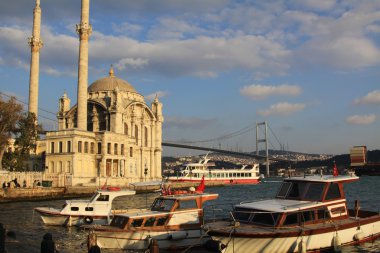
(125, 128)
(146, 136)
(137, 134)
(99, 147)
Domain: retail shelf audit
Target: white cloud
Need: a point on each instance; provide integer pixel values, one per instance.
(259, 91)
(342, 53)
(159, 94)
(281, 109)
(371, 98)
(361, 119)
(131, 62)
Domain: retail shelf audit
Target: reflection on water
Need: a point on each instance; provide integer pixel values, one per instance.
(29, 229)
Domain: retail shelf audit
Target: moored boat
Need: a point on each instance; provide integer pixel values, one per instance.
(173, 221)
(308, 214)
(194, 172)
(96, 210)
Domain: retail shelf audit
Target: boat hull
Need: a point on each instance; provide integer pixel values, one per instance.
(225, 181)
(140, 240)
(53, 217)
(246, 241)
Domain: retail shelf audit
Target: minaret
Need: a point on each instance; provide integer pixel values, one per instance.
(35, 44)
(84, 30)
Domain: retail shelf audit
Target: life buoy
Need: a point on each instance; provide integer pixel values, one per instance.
(88, 219)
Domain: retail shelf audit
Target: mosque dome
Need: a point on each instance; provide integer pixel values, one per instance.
(111, 83)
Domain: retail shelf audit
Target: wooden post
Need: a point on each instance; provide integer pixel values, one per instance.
(153, 247)
(2, 238)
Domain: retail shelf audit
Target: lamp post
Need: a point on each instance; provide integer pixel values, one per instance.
(146, 187)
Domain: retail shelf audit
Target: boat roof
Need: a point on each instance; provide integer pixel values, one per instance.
(187, 196)
(282, 205)
(324, 178)
(116, 192)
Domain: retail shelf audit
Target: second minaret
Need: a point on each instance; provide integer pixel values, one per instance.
(84, 31)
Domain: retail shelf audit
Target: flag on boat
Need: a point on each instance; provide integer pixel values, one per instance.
(335, 170)
(163, 190)
(201, 186)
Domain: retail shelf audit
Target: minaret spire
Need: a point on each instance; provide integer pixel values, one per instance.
(84, 30)
(35, 44)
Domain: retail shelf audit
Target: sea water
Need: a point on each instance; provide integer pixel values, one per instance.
(29, 229)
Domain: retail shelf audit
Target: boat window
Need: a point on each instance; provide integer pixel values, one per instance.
(265, 218)
(323, 214)
(307, 216)
(89, 209)
(161, 221)
(314, 192)
(333, 192)
(149, 222)
(93, 197)
(119, 221)
(162, 205)
(284, 189)
(74, 208)
(291, 219)
(137, 222)
(187, 204)
(103, 197)
(296, 190)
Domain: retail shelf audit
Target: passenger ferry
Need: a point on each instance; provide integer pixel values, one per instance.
(194, 172)
(308, 214)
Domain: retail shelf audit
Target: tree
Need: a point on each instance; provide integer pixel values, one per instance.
(10, 114)
(26, 140)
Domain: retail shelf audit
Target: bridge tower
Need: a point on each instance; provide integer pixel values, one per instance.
(265, 140)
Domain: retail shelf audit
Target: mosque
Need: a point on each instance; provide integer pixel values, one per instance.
(111, 135)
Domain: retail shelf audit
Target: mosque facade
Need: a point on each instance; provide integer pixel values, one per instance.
(111, 135)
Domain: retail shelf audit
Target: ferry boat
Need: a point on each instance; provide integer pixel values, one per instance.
(174, 221)
(194, 172)
(308, 214)
(96, 210)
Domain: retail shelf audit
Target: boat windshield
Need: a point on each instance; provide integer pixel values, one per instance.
(252, 216)
(161, 204)
(301, 191)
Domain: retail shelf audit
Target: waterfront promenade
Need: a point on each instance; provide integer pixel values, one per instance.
(50, 193)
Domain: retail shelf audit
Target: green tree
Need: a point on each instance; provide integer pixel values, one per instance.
(10, 114)
(26, 139)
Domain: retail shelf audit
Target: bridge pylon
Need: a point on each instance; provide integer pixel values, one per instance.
(263, 140)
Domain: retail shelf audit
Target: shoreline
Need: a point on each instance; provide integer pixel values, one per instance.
(53, 193)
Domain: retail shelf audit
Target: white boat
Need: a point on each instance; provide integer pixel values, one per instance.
(194, 172)
(96, 210)
(308, 214)
(173, 221)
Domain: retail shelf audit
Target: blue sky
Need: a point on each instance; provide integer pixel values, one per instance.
(309, 68)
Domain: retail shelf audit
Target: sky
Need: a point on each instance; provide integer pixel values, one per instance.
(308, 68)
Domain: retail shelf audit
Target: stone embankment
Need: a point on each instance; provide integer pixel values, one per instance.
(47, 193)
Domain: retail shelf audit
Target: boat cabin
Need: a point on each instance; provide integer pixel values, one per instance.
(99, 203)
(299, 201)
(183, 210)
